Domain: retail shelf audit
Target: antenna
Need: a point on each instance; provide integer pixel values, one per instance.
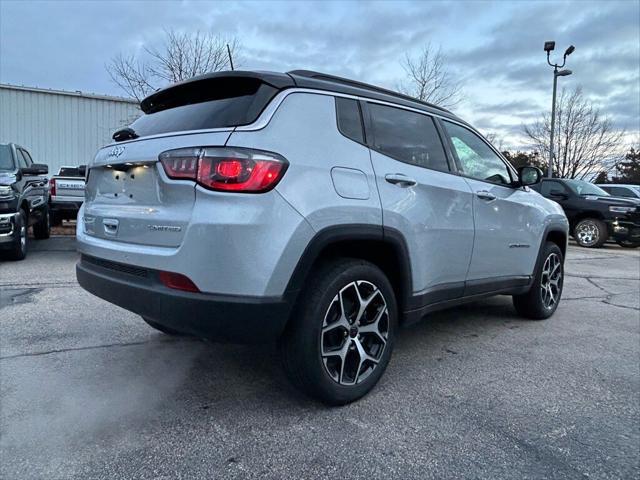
(230, 57)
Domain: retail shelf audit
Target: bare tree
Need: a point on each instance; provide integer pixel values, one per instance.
(183, 55)
(585, 141)
(494, 139)
(429, 80)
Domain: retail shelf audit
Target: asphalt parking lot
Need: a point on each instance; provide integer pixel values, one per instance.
(87, 390)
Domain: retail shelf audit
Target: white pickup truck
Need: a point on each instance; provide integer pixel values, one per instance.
(66, 193)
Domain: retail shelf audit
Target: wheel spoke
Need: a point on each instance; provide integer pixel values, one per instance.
(374, 327)
(341, 353)
(354, 332)
(550, 279)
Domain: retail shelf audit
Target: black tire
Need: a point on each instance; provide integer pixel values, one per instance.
(301, 346)
(535, 303)
(163, 329)
(590, 233)
(42, 229)
(628, 243)
(20, 246)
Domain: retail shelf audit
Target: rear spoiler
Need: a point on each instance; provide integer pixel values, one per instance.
(212, 86)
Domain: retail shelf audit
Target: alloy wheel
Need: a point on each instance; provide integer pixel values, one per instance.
(355, 331)
(551, 281)
(587, 233)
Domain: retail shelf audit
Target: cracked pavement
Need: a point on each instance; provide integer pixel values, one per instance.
(88, 391)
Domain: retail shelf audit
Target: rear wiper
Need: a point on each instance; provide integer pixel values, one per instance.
(124, 134)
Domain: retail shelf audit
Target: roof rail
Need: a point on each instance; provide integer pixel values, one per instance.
(365, 86)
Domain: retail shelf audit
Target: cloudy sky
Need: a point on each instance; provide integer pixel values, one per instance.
(494, 48)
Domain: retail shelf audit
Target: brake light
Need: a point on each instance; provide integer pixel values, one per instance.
(52, 187)
(226, 169)
(177, 281)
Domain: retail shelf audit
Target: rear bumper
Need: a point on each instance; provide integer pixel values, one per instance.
(224, 318)
(60, 203)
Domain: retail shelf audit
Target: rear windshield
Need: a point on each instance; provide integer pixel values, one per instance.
(6, 160)
(204, 105)
(72, 171)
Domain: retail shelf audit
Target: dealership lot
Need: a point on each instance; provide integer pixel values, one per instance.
(89, 391)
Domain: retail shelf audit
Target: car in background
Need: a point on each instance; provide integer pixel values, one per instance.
(594, 215)
(23, 200)
(67, 193)
(621, 190)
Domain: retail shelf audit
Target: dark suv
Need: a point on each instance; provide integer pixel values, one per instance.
(594, 215)
(24, 198)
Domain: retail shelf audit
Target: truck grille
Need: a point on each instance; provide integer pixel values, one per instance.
(115, 266)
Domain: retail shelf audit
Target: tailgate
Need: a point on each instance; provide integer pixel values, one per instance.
(69, 187)
(130, 199)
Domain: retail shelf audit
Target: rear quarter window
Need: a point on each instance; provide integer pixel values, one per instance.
(349, 119)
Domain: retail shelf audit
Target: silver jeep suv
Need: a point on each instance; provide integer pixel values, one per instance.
(313, 210)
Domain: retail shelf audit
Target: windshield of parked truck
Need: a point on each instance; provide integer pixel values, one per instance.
(6, 160)
(585, 188)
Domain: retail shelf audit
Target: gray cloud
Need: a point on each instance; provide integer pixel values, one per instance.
(495, 49)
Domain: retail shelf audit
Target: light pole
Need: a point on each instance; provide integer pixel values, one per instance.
(548, 47)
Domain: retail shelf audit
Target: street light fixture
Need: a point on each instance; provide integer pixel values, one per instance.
(549, 47)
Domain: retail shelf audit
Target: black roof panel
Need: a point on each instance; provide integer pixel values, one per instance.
(297, 78)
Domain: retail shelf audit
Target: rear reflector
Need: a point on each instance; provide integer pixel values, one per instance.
(178, 281)
(226, 169)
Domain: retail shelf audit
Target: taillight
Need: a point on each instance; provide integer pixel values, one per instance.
(181, 163)
(52, 186)
(226, 169)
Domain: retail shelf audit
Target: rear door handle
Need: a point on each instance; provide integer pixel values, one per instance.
(400, 180)
(484, 195)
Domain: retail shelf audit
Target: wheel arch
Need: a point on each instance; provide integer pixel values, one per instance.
(583, 215)
(384, 247)
(559, 237)
(24, 205)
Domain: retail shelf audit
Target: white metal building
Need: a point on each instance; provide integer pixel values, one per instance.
(59, 127)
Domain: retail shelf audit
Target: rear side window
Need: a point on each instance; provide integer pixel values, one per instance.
(215, 103)
(349, 119)
(22, 159)
(27, 157)
(409, 137)
(549, 186)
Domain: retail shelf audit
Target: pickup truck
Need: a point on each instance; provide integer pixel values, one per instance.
(23, 200)
(594, 215)
(67, 193)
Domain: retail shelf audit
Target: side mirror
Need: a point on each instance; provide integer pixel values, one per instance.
(558, 194)
(35, 169)
(529, 175)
